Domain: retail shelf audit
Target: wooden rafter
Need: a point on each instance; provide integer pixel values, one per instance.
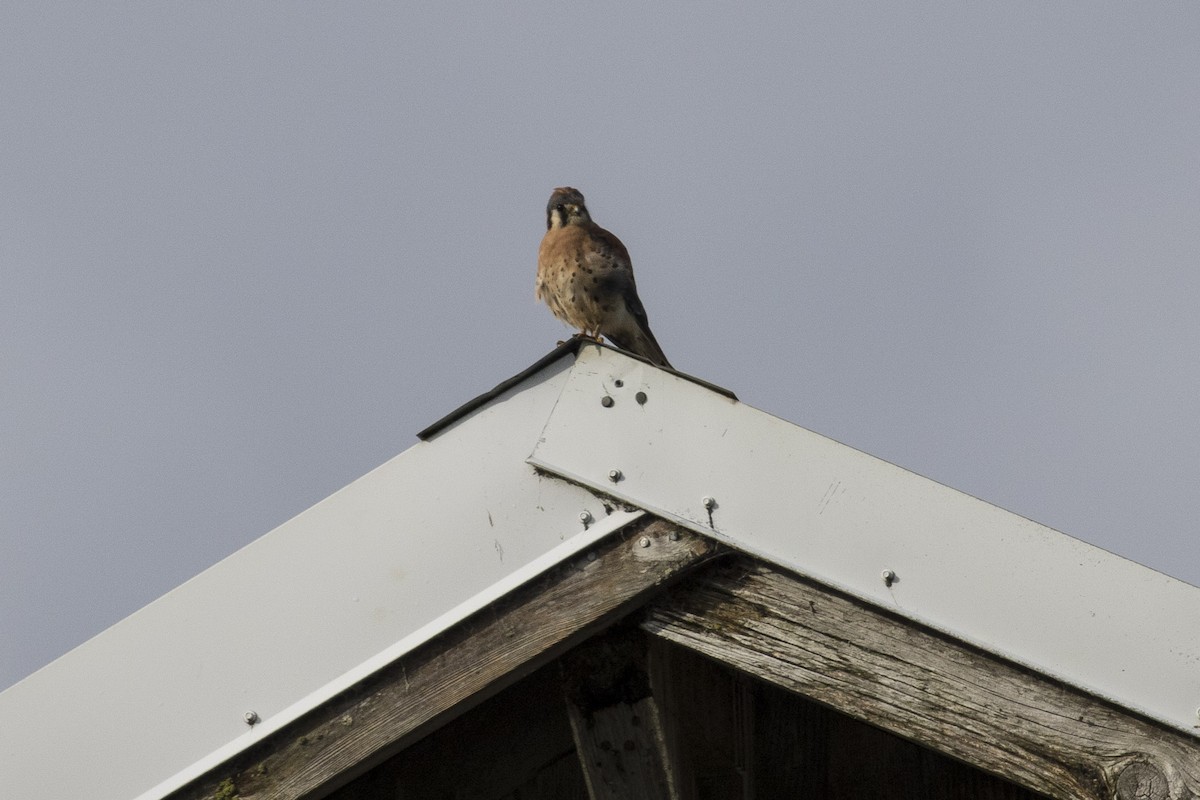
(925, 687)
(459, 669)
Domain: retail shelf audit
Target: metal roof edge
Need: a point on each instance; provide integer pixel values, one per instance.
(605, 527)
(406, 550)
(888, 536)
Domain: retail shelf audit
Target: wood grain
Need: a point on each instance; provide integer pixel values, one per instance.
(925, 687)
(622, 752)
(736, 737)
(516, 745)
(615, 719)
(457, 670)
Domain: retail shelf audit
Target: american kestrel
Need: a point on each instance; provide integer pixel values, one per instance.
(585, 276)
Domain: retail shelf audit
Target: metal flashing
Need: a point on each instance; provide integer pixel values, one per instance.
(520, 479)
(569, 347)
(899, 541)
(304, 612)
(350, 678)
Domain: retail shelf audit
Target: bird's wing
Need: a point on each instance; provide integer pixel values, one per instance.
(610, 259)
(630, 330)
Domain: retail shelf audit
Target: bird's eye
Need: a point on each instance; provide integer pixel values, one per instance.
(561, 207)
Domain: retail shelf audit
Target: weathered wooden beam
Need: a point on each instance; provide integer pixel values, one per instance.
(940, 693)
(739, 738)
(458, 669)
(515, 745)
(615, 720)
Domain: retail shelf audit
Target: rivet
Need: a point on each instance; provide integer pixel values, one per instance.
(606, 401)
(641, 398)
(614, 475)
(673, 536)
(251, 718)
(644, 541)
(709, 503)
(618, 383)
(889, 577)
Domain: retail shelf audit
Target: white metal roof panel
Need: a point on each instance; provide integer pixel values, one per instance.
(453, 523)
(303, 612)
(825, 510)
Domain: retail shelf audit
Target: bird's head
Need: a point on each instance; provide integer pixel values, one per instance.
(566, 208)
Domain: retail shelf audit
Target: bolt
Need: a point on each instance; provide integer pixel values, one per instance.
(641, 398)
(591, 556)
(644, 541)
(673, 536)
(606, 401)
(709, 503)
(889, 577)
(614, 475)
(251, 718)
(586, 518)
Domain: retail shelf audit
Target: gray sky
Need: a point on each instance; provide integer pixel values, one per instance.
(247, 250)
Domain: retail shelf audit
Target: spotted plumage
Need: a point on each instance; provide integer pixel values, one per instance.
(586, 278)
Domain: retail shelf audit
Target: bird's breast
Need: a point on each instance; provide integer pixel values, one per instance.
(573, 278)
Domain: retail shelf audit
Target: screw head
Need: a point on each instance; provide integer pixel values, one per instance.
(644, 541)
(709, 502)
(614, 475)
(251, 718)
(585, 517)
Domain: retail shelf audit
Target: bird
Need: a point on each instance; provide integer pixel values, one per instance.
(585, 276)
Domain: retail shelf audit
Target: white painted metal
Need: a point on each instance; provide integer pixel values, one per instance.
(453, 523)
(981, 574)
(322, 601)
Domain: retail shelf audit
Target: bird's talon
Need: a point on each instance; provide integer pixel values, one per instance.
(581, 335)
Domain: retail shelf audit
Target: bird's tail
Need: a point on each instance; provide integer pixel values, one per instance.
(641, 342)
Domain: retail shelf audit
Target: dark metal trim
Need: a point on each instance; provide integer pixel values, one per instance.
(571, 346)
